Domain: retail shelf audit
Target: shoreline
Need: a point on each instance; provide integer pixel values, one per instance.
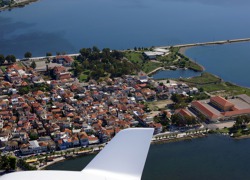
(153, 142)
(63, 158)
(155, 71)
(184, 138)
(182, 51)
(17, 5)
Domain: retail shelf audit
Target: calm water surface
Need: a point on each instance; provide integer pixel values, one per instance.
(175, 74)
(215, 157)
(67, 26)
(231, 62)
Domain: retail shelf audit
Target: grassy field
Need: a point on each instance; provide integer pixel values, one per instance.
(83, 77)
(3, 68)
(205, 78)
(150, 66)
(145, 65)
(135, 57)
(211, 83)
(194, 66)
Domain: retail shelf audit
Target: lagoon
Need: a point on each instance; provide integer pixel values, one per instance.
(175, 74)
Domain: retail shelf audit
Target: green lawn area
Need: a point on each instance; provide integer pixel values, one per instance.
(150, 66)
(211, 83)
(174, 49)
(3, 68)
(83, 77)
(229, 88)
(135, 57)
(205, 78)
(192, 65)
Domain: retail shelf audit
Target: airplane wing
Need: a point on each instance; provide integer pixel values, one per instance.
(122, 159)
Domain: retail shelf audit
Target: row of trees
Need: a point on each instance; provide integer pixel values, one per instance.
(179, 121)
(241, 122)
(9, 58)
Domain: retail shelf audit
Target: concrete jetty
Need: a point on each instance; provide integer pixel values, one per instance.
(207, 43)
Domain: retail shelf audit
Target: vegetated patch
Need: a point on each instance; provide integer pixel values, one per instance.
(212, 83)
(204, 79)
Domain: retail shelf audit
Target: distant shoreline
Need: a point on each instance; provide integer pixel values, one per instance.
(183, 50)
(17, 5)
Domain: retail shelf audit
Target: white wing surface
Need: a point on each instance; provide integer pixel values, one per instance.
(122, 159)
(125, 156)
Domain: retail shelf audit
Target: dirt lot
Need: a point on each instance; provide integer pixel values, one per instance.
(221, 125)
(41, 64)
(162, 103)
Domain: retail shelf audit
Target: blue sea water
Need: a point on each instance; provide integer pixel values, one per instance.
(230, 62)
(66, 26)
(212, 158)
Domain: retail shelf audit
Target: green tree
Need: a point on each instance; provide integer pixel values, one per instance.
(7, 163)
(33, 65)
(85, 52)
(48, 54)
(95, 49)
(33, 136)
(12, 162)
(11, 59)
(24, 90)
(176, 98)
(28, 55)
(106, 52)
(2, 59)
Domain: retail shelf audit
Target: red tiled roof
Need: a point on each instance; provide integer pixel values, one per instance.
(64, 76)
(184, 112)
(235, 113)
(204, 110)
(65, 58)
(220, 100)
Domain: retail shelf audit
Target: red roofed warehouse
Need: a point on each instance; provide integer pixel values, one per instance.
(221, 103)
(198, 106)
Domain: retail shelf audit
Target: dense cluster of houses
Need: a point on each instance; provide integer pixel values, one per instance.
(71, 114)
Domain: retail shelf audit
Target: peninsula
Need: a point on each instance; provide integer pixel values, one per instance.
(62, 106)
